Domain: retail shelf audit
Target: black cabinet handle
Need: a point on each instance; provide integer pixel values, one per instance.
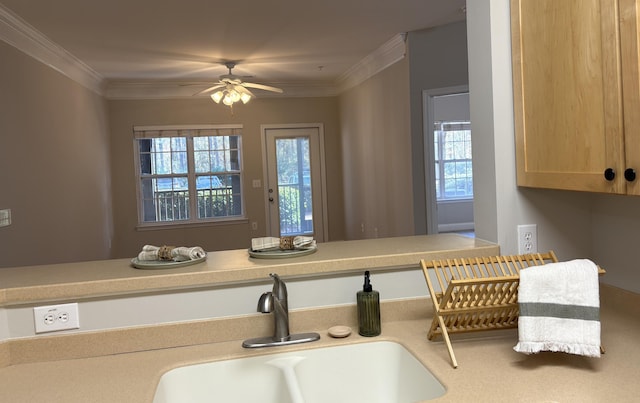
(609, 174)
(630, 174)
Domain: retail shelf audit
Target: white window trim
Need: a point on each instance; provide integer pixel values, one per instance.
(143, 225)
(444, 199)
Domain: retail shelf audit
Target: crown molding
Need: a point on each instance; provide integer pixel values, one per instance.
(19, 34)
(389, 53)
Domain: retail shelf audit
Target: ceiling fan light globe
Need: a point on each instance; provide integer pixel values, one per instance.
(235, 96)
(245, 98)
(217, 96)
(227, 100)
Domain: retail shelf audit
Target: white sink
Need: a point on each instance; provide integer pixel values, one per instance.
(370, 372)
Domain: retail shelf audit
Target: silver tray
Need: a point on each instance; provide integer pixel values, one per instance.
(163, 264)
(281, 254)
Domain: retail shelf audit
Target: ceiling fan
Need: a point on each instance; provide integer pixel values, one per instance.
(231, 88)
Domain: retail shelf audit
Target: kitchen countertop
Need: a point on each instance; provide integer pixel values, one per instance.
(74, 281)
(489, 370)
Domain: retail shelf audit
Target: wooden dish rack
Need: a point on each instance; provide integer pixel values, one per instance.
(477, 294)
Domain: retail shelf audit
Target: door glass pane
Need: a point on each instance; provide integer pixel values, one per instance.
(294, 186)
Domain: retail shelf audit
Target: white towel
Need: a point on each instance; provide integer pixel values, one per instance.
(178, 254)
(272, 243)
(559, 309)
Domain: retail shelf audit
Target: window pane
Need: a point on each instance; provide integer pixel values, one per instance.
(163, 156)
(216, 154)
(219, 196)
(165, 199)
(144, 147)
(293, 163)
(453, 164)
(437, 174)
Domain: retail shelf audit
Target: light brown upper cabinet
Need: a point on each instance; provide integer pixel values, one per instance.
(577, 94)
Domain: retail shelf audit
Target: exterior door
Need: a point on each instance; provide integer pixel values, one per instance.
(295, 181)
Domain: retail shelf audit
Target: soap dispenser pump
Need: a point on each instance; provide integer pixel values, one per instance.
(368, 309)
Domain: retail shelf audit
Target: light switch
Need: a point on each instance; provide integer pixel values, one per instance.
(5, 217)
(257, 183)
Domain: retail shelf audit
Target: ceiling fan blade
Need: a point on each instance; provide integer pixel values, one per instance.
(262, 87)
(242, 89)
(215, 87)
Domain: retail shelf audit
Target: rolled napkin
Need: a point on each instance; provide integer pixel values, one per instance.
(177, 254)
(559, 308)
(268, 243)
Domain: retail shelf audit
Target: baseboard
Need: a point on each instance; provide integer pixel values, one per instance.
(460, 226)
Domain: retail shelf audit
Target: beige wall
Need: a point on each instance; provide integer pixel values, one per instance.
(376, 144)
(124, 114)
(382, 135)
(54, 165)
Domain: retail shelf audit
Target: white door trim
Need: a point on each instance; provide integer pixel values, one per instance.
(429, 152)
(324, 236)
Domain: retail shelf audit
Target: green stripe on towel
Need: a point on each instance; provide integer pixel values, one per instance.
(559, 311)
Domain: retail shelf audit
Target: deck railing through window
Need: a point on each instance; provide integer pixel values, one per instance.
(295, 220)
(174, 205)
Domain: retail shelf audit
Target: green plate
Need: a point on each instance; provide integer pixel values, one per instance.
(163, 264)
(281, 254)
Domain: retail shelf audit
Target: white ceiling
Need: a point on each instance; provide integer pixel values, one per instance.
(273, 41)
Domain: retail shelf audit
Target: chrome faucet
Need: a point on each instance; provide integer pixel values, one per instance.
(276, 301)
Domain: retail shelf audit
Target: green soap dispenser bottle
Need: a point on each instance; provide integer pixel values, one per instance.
(368, 309)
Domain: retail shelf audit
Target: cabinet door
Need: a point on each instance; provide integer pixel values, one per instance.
(630, 53)
(567, 97)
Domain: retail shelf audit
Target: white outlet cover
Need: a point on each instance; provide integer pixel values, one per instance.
(5, 217)
(527, 239)
(53, 318)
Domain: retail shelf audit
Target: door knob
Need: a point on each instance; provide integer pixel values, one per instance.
(609, 174)
(630, 174)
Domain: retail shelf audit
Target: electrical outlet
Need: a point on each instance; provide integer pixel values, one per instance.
(527, 238)
(53, 318)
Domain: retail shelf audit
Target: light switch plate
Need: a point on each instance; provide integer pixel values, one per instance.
(5, 217)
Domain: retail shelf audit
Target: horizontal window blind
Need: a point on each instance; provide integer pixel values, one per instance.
(149, 132)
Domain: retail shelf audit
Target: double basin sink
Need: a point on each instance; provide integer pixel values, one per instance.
(380, 371)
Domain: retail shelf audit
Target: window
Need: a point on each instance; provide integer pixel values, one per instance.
(454, 175)
(189, 174)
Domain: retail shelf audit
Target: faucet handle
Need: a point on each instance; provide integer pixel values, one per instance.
(279, 288)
